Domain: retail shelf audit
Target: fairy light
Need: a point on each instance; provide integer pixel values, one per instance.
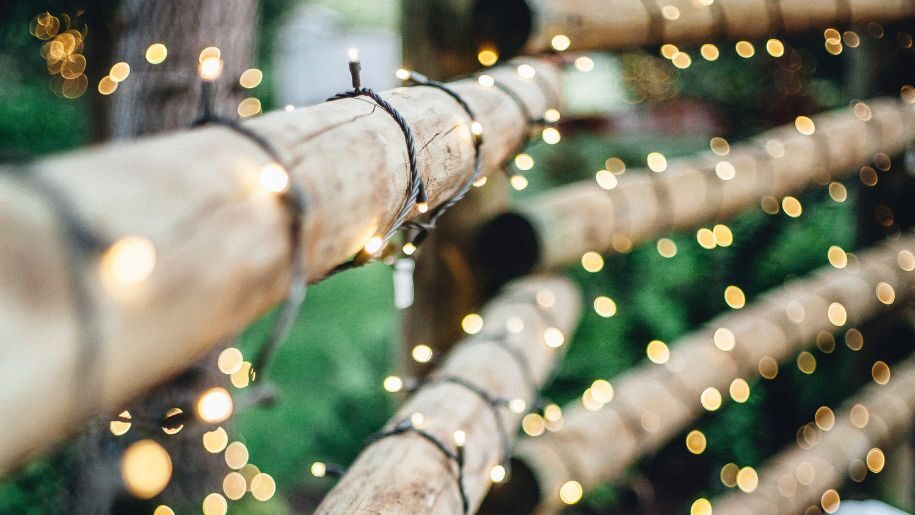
(824, 418)
(739, 390)
(657, 352)
(734, 297)
(553, 337)
(230, 360)
(518, 182)
(592, 262)
(606, 180)
(551, 136)
(422, 353)
(318, 469)
(472, 323)
(488, 57)
(604, 306)
(251, 78)
(668, 50)
(210, 68)
(156, 53)
(524, 162)
(571, 492)
(533, 425)
(806, 363)
(236, 455)
(146, 469)
(880, 371)
(710, 399)
(497, 474)
(695, 442)
(792, 207)
(374, 245)
(747, 479)
(709, 52)
(517, 406)
(666, 248)
(215, 504)
(745, 49)
(409, 248)
(393, 384)
(837, 314)
(119, 71)
(804, 125)
(263, 487)
(875, 460)
(584, 64)
(526, 71)
(560, 42)
(128, 262)
(274, 178)
(775, 47)
(215, 441)
(120, 427)
(487, 81)
(701, 506)
(551, 115)
(724, 339)
(215, 405)
(656, 162)
(885, 293)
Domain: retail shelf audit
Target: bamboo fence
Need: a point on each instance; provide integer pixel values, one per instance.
(654, 403)
(559, 226)
(509, 359)
(799, 477)
(221, 242)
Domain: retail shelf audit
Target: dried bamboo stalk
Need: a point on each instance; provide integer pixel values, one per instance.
(406, 474)
(598, 24)
(222, 243)
(566, 222)
(654, 403)
(798, 478)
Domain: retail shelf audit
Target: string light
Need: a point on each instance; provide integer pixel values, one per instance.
(251, 78)
(657, 352)
(156, 53)
(128, 262)
(274, 178)
(700, 506)
(215, 441)
(571, 492)
(146, 468)
(210, 68)
(472, 323)
(214, 405)
(560, 42)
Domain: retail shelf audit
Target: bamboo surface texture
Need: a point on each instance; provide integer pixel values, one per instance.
(221, 242)
(406, 474)
(581, 217)
(603, 24)
(798, 478)
(653, 403)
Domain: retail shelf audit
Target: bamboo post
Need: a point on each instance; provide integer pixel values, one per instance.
(406, 474)
(221, 242)
(559, 226)
(653, 403)
(798, 478)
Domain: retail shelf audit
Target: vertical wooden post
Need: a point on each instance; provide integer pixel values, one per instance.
(157, 98)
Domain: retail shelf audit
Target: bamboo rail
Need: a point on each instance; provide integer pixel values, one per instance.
(653, 403)
(798, 478)
(596, 24)
(221, 242)
(559, 226)
(406, 474)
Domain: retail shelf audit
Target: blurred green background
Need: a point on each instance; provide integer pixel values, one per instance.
(329, 373)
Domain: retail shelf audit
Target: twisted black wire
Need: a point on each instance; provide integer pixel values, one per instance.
(406, 426)
(490, 401)
(295, 203)
(435, 214)
(417, 191)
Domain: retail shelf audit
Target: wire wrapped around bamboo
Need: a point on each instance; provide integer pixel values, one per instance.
(798, 478)
(653, 403)
(221, 241)
(604, 24)
(559, 226)
(406, 474)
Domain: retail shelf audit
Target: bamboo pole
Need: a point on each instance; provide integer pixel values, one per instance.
(406, 474)
(222, 243)
(599, 24)
(798, 478)
(559, 226)
(654, 403)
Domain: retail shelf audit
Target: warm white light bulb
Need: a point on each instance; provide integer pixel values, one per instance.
(460, 437)
(374, 244)
(353, 54)
(215, 405)
(476, 128)
(422, 207)
(274, 178)
(403, 74)
(210, 68)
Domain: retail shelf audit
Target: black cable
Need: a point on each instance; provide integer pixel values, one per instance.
(294, 200)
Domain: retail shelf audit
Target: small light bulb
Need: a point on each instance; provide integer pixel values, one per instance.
(215, 405)
(409, 248)
(274, 178)
(526, 71)
(497, 474)
(486, 81)
(403, 74)
(374, 244)
(418, 420)
(517, 405)
(353, 54)
(476, 128)
(551, 136)
(422, 207)
(460, 438)
(289, 108)
(318, 469)
(210, 68)
(393, 384)
(551, 115)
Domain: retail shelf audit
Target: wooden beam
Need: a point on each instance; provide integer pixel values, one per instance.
(221, 242)
(558, 226)
(798, 478)
(653, 403)
(406, 474)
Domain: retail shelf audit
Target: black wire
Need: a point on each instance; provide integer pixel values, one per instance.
(406, 426)
(417, 190)
(490, 401)
(295, 202)
(435, 214)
